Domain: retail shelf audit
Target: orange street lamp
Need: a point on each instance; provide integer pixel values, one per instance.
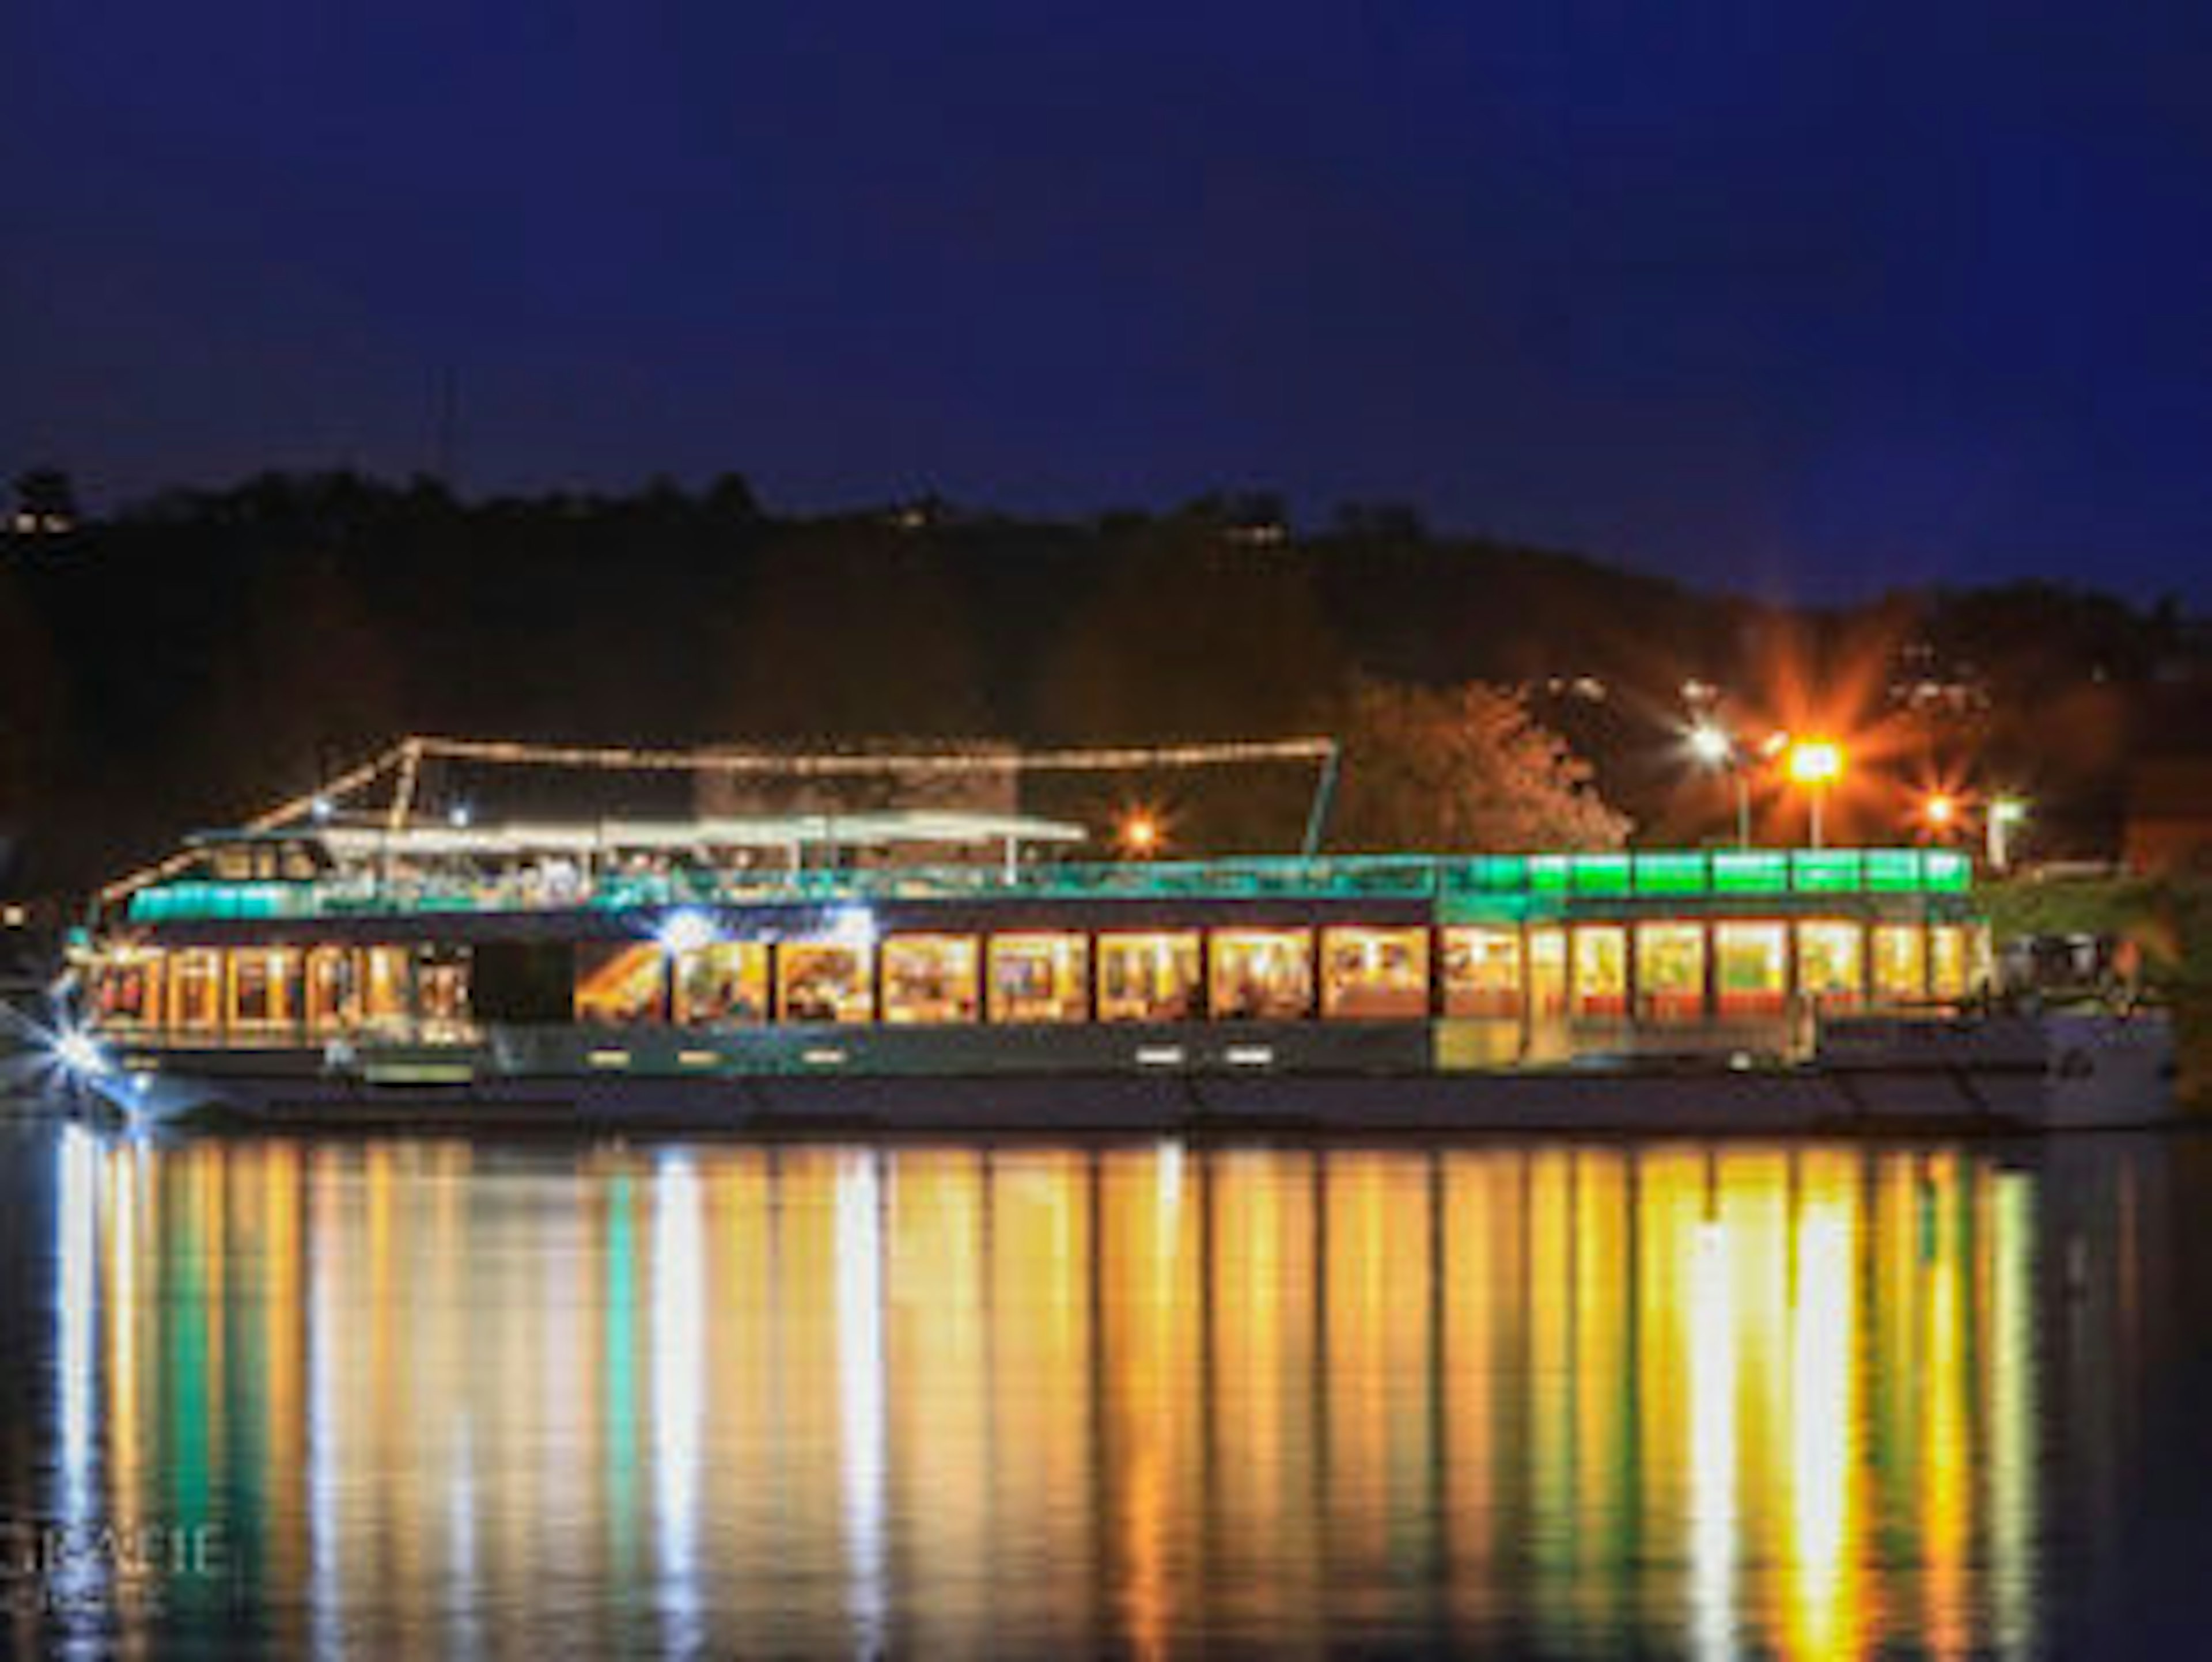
(1816, 764)
(1138, 835)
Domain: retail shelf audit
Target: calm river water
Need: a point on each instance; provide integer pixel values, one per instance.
(393, 1397)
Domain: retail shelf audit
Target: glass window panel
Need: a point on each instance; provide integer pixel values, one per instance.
(1670, 971)
(195, 990)
(329, 988)
(249, 989)
(386, 994)
(930, 978)
(1900, 962)
(262, 993)
(1751, 970)
(825, 981)
(1830, 960)
(1600, 967)
(1482, 972)
(620, 982)
(724, 983)
(384, 991)
(1375, 973)
(1261, 974)
(1039, 978)
(1547, 973)
(441, 994)
(1148, 978)
(127, 990)
(1948, 973)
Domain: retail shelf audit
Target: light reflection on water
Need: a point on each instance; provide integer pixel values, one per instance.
(1729, 1399)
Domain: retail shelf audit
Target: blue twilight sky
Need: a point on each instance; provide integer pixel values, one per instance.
(1805, 297)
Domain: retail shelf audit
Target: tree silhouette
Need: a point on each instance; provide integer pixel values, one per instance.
(851, 633)
(1459, 769)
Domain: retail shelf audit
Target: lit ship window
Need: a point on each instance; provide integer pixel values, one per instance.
(1374, 974)
(1670, 971)
(1751, 970)
(1482, 972)
(1261, 974)
(1831, 962)
(1148, 978)
(930, 978)
(619, 983)
(1900, 962)
(1600, 967)
(824, 981)
(725, 983)
(1039, 977)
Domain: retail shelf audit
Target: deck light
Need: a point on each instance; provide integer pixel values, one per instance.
(1140, 834)
(79, 1053)
(681, 932)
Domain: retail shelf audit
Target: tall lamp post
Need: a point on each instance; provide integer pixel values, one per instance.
(1716, 747)
(1816, 764)
(2006, 814)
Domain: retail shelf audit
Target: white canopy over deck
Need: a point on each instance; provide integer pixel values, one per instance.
(796, 834)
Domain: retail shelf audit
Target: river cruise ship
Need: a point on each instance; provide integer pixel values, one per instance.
(948, 969)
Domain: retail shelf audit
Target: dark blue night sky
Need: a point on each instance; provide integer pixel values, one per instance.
(1804, 299)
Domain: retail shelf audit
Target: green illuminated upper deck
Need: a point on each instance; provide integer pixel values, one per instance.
(1505, 884)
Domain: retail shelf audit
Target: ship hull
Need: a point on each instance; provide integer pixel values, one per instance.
(1990, 1077)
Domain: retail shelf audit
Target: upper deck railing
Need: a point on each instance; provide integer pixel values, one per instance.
(1747, 875)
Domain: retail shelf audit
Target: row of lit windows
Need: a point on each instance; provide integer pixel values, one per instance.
(1167, 975)
(275, 989)
(1660, 971)
(1673, 971)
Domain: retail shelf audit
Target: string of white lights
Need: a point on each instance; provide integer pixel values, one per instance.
(864, 763)
(405, 761)
(331, 792)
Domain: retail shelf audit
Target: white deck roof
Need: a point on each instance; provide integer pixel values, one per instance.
(778, 831)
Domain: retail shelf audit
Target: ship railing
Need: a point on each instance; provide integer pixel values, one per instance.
(1656, 877)
(1409, 877)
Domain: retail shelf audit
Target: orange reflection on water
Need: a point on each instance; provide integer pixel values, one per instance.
(1726, 1400)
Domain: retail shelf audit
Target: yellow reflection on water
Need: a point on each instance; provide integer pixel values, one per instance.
(1732, 1400)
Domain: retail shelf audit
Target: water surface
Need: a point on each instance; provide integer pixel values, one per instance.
(387, 1396)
